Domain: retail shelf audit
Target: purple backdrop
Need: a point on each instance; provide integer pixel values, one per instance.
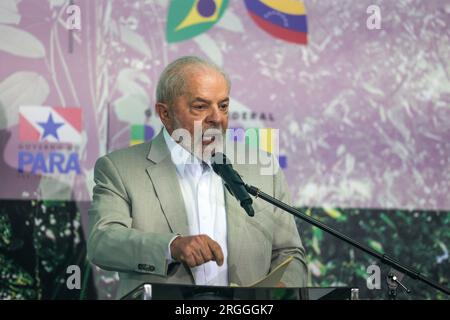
(363, 114)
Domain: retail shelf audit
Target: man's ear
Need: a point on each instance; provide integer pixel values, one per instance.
(164, 114)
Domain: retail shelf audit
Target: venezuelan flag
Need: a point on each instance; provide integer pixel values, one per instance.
(283, 19)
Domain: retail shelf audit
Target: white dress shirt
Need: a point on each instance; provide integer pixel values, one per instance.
(203, 195)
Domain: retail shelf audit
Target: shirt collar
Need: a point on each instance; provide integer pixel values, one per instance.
(180, 156)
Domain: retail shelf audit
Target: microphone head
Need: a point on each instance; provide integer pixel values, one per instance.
(217, 160)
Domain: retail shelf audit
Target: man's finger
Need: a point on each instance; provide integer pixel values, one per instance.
(194, 259)
(216, 251)
(206, 253)
(190, 261)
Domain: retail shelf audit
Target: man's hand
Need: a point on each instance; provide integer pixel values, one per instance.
(196, 250)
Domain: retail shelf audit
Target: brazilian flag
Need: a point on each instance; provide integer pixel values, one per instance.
(189, 18)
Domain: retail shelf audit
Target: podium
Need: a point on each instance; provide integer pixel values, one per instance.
(158, 291)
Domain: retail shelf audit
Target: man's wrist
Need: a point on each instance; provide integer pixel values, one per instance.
(169, 257)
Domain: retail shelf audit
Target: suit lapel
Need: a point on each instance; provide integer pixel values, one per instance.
(164, 178)
(236, 234)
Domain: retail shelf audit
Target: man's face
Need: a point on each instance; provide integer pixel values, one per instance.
(204, 102)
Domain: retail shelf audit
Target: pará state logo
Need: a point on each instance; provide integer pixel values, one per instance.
(48, 137)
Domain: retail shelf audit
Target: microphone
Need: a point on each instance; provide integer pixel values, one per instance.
(222, 166)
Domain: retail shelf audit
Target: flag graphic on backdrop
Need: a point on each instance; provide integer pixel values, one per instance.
(261, 138)
(48, 124)
(283, 19)
(140, 133)
(189, 18)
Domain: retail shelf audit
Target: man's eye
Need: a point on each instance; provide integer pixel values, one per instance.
(224, 107)
(199, 107)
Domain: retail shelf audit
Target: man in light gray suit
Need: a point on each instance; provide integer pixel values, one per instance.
(161, 215)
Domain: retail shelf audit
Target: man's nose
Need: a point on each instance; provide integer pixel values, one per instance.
(214, 116)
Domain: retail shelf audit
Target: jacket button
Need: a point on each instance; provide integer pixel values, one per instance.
(146, 267)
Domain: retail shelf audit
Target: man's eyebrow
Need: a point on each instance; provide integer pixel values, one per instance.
(198, 99)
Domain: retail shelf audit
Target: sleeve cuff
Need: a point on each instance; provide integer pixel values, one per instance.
(168, 252)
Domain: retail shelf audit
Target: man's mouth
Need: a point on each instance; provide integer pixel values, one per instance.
(207, 139)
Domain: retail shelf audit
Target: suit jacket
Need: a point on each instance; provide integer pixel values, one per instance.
(138, 208)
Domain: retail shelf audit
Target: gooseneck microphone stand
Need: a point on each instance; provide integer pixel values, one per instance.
(392, 278)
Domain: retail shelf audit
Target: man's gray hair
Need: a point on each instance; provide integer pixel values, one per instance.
(171, 83)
